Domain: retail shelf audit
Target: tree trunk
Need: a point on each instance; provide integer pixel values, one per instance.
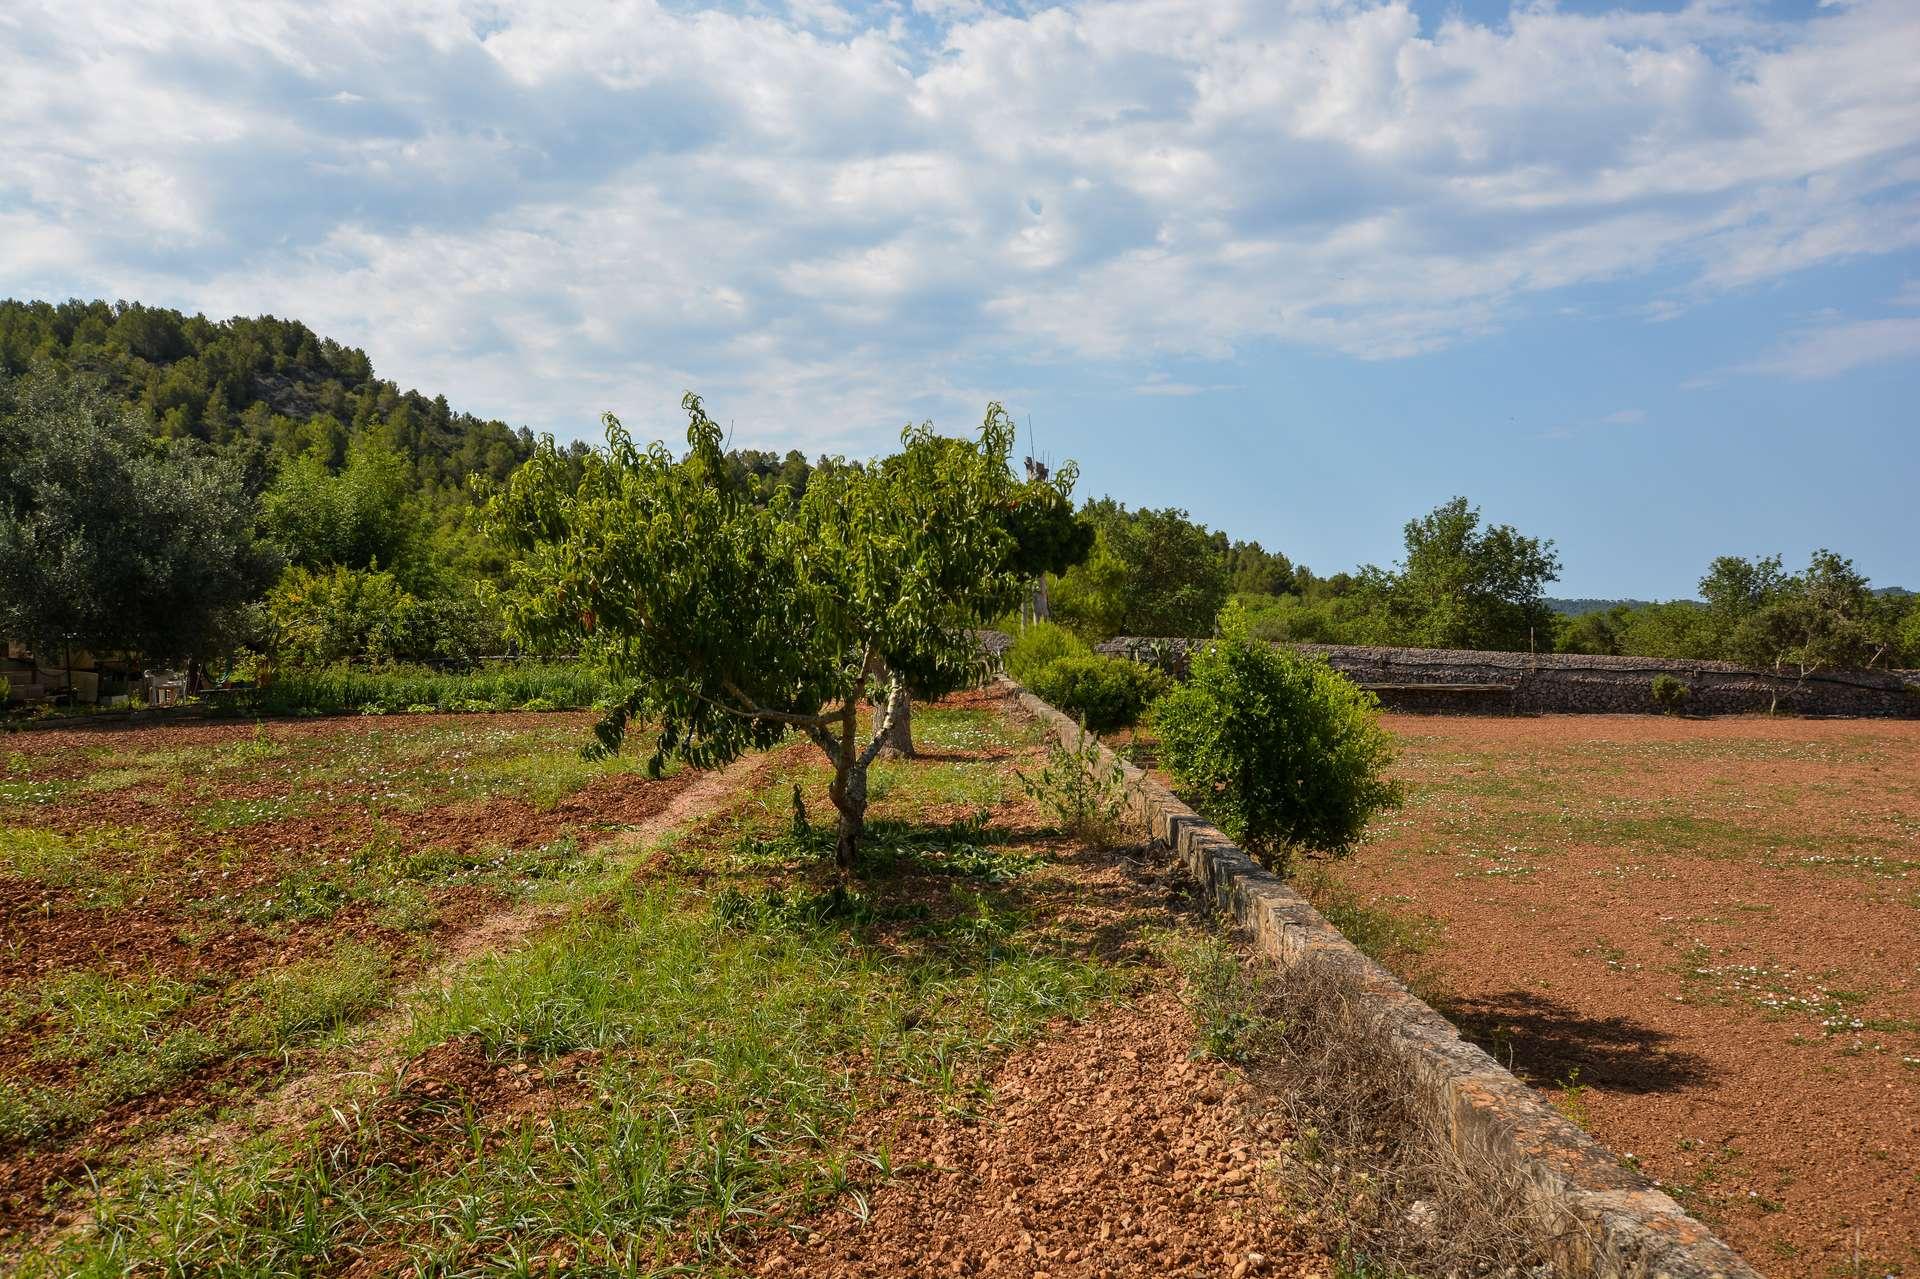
(850, 801)
(899, 739)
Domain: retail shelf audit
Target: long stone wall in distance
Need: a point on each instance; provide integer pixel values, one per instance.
(1468, 682)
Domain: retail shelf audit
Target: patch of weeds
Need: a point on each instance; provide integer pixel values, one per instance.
(254, 749)
(107, 780)
(90, 1016)
(27, 793)
(916, 784)
(785, 910)
(106, 867)
(407, 908)
(297, 897)
(112, 1038)
(968, 847)
(1224, 1000)
(30, 1112)
(230, 814)
(1086, 796)
(317, 996)
(1571, 1100)
(941, 728)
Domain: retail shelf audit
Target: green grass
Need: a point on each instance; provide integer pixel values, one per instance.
(1222, 996)
(733, 1049)
(314, 997)
(104, 868)
(528, 686)
(699, 1047)
(108, 1038)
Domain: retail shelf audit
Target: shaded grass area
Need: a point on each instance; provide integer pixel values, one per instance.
(675, 1066)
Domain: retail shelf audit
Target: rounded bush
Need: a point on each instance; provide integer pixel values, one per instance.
(1107, 692)
(1278, 748)
(1039, 646)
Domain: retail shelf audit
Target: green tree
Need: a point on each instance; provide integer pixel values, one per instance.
(1820, 619)
(1462, 586)
(1150, 573)
(362, 516)
(735, 620)
(113, 541)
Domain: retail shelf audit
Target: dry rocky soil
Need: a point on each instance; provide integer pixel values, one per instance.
(1700, 937)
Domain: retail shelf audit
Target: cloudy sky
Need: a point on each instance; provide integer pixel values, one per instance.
(1642, 276)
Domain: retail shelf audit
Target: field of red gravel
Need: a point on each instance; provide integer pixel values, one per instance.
(1700, 937)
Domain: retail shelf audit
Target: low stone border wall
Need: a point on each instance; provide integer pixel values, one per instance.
(1562, 683)
(1623, 1227)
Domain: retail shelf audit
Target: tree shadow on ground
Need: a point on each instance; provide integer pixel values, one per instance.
(986, 755)
(1545, 1042)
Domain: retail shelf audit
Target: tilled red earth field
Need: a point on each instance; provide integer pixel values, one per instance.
(1702, 938)
(188, 905)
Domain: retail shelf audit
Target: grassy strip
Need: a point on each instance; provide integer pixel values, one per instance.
(523, 686)
(696, 1048)
(734, 1047)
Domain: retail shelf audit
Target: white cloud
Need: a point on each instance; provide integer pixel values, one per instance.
(1828, 350)
(1625, 417)
(831, 223)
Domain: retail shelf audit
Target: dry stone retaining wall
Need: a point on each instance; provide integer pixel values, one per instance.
(1560, 683)
(1596, 1217)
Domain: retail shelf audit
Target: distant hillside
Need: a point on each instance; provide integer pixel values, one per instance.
(266, 388)
(1580, 608)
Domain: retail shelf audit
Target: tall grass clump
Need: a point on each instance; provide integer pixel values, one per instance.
(396, 689)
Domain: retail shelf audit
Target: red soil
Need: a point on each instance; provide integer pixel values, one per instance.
(1589, 928)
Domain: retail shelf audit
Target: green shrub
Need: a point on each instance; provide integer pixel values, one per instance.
(1277, 747)
(1669, 693)
(1038, 646)
(1104, 691)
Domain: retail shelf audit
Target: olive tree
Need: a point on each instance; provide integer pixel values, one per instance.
(114, 541)
(734, 621)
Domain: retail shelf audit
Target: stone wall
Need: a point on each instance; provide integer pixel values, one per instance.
(1597, 1218)
(1559, 683)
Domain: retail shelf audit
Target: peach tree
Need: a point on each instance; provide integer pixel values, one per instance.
(733, 622)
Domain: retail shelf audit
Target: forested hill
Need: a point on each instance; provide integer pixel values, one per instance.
(267, 388)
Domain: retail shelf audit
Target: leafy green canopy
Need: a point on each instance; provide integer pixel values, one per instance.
(112, 541)
(1462, 586)
(1279, 748)
(1151, 572)
(737, 619)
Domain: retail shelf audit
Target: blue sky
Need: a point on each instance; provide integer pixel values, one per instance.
(1642, 277)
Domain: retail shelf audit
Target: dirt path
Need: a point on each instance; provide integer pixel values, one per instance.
(1107, 1151)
